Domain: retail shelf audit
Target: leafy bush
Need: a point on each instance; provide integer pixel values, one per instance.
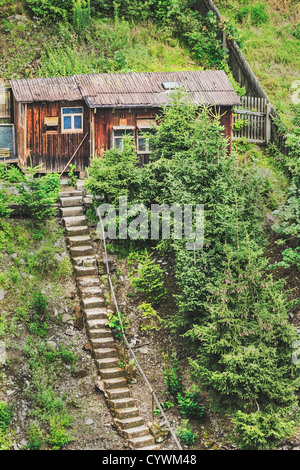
(59, 436)
(290, 257)
(72, 177)
(256, 13)
(149, 278)
(39, 308)
(67, 356)
(4, 203)
(186, 434)
(191, 404)
(116, 174)
(51, 10)
(172, 374)
(114, 323)
(36, 438)
(261, 430)
(81, 15)
(36, 198)
(11, 174)
(150, 319)
(6, 415)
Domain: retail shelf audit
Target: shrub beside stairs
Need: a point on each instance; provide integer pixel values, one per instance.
(126, 415)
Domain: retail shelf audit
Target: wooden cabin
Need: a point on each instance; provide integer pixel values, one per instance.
(63, 119)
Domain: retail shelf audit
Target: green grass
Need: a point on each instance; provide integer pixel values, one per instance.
(30, 49)
(272, 48)
(26, 316)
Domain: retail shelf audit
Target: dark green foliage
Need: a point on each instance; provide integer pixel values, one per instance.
(148, 278)
(191, 404)
(51, 10)
(185, 433)
(39, 315)
(244, 349)
(81, 15)
(256, 13)
(115, 324)
(67, 355)
(72, 177)
(11, 174)
(235, 317)
(6, 415)
(37, 196)
(4, 203)
(172, 374)
(261, 430)
(39, 305)
(116, 174)
(36, 439)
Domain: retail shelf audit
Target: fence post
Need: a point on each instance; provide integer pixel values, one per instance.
(268, 123)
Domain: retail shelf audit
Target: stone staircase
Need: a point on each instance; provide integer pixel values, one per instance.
(127, 418)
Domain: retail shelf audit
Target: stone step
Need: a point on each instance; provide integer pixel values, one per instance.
(99, 333)
(129, 423)
(93, 291)
(76, 221)
(71, 201)
(93, 302)
(112, 373)
(70, 193)
(141, 441)
(137, 431)
(102, 343)
(126, 413)
(107, 363)
(88, 281)
(118, 393)
(106, 353)
(71, 211)
(77, 231)
(119, 382)
(95, 313)
(85, 270)
(121, 403)
(84, 261)
(84, 250)
(79, 240)
(155, 447)
(97, 324)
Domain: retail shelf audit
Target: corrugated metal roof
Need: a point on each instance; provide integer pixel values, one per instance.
(46, 89)
(128, 89)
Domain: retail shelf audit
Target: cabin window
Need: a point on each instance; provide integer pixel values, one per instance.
(118, 137)
(143, 140)
(72, 119)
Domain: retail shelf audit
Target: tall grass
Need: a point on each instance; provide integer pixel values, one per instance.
(272, 48)
(115, 47)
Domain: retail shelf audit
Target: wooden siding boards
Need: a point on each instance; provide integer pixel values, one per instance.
(51, 149)
(105, 98)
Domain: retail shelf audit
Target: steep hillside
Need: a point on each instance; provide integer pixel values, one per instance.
(30, 47)
(270, 40)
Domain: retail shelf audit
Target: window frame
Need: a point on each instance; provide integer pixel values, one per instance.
(73, 130)
(121, 128)
(147, 139)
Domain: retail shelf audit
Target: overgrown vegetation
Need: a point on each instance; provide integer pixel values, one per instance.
(269, 32)
(234, 314)
(32, 267)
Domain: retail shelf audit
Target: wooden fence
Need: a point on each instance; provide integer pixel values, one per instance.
(5, 103)
(252, 120)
